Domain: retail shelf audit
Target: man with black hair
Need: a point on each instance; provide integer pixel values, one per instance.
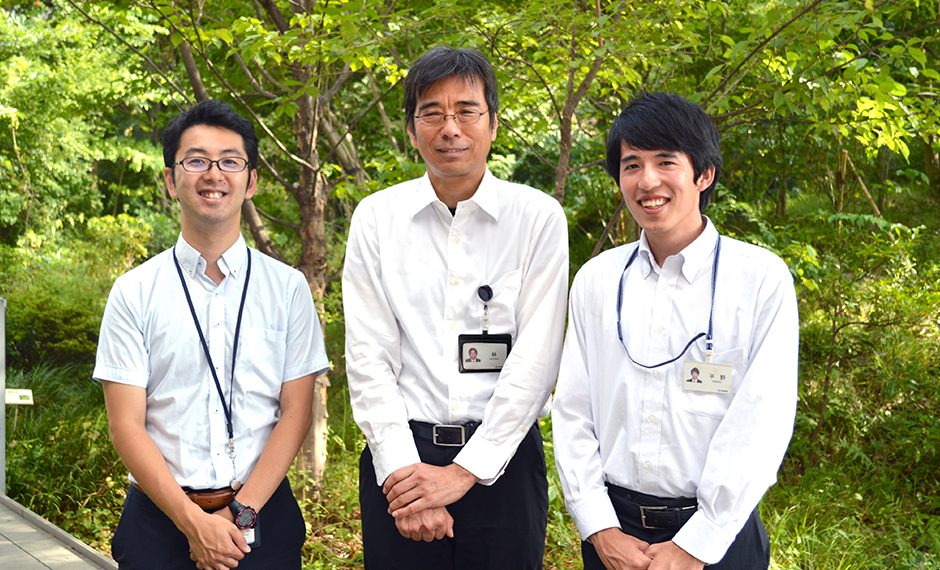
(658, 472)
(454, 472)
(207, 357)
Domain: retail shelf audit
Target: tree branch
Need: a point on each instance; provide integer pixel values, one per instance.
(149, 62)
(610, 226)
(754, 52)
(284, 223)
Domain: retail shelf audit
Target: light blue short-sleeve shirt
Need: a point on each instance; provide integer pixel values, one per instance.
(149, 339)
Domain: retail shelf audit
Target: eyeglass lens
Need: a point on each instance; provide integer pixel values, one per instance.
(199, 164)
(463, 117)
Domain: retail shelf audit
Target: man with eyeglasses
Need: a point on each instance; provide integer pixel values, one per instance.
(661, 472)
(207, 357)
(454, 472)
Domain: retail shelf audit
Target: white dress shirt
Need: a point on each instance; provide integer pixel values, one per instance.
(410, 288)
(148, 339)
(637, 428)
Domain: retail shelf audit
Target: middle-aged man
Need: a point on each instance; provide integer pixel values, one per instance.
(658, 472)
(207, 357)
(455, 259)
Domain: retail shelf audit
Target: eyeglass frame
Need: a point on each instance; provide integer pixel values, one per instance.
(218, 164)
(465, 112)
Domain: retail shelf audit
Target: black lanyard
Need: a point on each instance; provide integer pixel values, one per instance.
(708, 335)
(226, 408)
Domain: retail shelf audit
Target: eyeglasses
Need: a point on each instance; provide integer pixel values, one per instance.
(201, 164)
(465, 117)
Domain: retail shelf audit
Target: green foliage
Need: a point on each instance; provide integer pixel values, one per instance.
(60, 462)
(56, 288)
(819, 104)
(66, 145)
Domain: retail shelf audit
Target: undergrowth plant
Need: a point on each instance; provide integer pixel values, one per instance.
(60, 461)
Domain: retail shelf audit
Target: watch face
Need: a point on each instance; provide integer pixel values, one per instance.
(245, 519)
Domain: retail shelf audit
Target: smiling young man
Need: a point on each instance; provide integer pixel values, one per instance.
(207, 357)
(660, 472)
(452, 267)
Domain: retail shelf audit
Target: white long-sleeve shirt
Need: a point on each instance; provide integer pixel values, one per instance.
(614, 421)
(410, 286)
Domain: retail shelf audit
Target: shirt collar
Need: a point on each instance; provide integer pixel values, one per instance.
(692, 257)
(231, 263)
(486, 196)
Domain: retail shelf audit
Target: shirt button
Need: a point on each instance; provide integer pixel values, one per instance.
(440, 207)
(453, 325)
(660, 329)
(655, 373)
(456, 282)
(652, 419)
(665, 287)
(647, 464)
(457, 239)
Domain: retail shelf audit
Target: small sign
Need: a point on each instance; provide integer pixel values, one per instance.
(22, 397)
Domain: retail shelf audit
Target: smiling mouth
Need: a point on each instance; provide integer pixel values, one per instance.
(653, 203)
(212, 194)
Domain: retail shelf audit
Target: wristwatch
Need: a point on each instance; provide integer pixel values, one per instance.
(245, 517)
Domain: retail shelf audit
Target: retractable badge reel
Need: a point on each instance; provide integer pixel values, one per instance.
(483, 352)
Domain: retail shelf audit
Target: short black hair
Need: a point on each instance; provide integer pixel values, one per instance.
(665, 121)
(214, 114)
(443, 62)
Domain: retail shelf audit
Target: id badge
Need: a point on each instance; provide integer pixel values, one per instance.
(483, 352)
(253, 535)
(707, 377)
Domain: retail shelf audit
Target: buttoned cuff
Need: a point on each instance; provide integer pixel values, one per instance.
(594, 513)
(703, 539)
(394, 452)
(483, 458)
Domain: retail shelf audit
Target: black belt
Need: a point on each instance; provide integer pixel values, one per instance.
(672, 514)
(448, 435)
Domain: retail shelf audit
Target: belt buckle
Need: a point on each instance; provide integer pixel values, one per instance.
(643, 517)
(463, 437)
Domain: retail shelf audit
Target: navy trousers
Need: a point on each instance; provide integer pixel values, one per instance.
(749, 551)
(146, 538)
(496, 527)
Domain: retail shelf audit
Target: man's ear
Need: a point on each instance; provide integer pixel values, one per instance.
(252, 184)
(168, 177)
(493, 128)
(411, 135)
(705, 179)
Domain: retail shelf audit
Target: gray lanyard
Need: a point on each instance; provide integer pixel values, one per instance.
(711, 312)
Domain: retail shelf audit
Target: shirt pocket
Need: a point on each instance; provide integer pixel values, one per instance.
(261, 359)
(705, 406)
(502, 307)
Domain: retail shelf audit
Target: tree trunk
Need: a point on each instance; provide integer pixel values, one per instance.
(932, 163)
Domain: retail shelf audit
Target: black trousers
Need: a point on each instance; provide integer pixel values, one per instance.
(749, 551)
(146, 538)
(498, 527)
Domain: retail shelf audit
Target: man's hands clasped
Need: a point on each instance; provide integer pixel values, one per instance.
(620, 551)
(217, 544)
(419, 494)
